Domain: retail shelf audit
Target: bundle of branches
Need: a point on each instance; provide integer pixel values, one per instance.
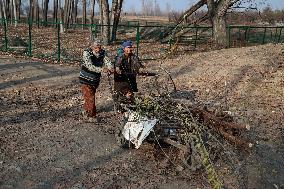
(199, 133)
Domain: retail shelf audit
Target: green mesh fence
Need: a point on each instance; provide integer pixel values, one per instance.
(14, 37)
(152, 40)
(254, 35)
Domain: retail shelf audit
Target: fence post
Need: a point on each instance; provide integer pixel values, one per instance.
(275, 36)
(247, 34)
(279, 37)
(161, 36)
(264, 35)
(229, 36)
(195, 39)
(5, 34)
(95, 30)
(58, 42)
(30, 37)
(137, 40)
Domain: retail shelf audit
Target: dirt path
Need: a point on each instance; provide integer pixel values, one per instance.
(43, 137)
(45, 143)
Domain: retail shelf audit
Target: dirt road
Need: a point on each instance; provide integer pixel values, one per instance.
(45, 143)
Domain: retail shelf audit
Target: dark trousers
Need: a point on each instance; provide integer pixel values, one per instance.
(89, 99)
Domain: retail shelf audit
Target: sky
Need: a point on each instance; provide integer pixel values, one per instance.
(184, 4)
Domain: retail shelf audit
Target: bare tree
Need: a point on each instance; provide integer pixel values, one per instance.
(19, 4)
(116, 11)
(217, 10)
(92, 15)
(14, 12)
(2, 9)
(106, 22)
(55, 10)
(31, 10)
(36, 12)
(75, 11)
(84, 19)
(45, 10)
(157, 9)
(100, 2)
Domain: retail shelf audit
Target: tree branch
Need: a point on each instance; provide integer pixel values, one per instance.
(223, 6)
(190, 11)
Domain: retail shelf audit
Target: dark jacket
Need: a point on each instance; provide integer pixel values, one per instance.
(91, 67)
(129, 68)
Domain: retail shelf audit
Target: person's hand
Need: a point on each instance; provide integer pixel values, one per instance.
(106, 70)
(128, 95)
(110, 71)
(118, 71)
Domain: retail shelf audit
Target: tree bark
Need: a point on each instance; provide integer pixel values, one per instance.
(31, 10)
(84, 19)
(36, 14)
(15, 12)
(2, 10)
(101, 14)
(217, 11)
(55, 10)
(106, 22)
(45, 11)
(92, 15)
(116, 11)
(19, 3)
(75, 11)
(219, 31)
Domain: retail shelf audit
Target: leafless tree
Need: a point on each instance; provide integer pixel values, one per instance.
(106, 22)
(55, 10)
(92, 13)
(84, 5)
(14, 11)
(217, 10)
(2, 9)
(116, 11)
(45, 10)
(75, 11)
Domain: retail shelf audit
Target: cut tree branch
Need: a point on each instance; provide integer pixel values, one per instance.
(190, 11)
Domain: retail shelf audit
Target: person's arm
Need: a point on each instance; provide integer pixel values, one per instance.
(107, 63)
(137, 65)
(117, 63)
(87, 62)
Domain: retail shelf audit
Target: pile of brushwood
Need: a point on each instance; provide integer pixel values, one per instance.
(199, 134)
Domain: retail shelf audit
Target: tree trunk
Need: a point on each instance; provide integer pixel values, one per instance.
(15, 12)
(84, 19)
(101, 14)
(219, 31)
(31, 10)
(2, 10)
(55, 10)
(92, 15)
(75, 11)
(217, 12)
(71, 11)
(19, 3)
(106, 27)
(45, 10)
(116, 10)
(65, 11)
(36, 14)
